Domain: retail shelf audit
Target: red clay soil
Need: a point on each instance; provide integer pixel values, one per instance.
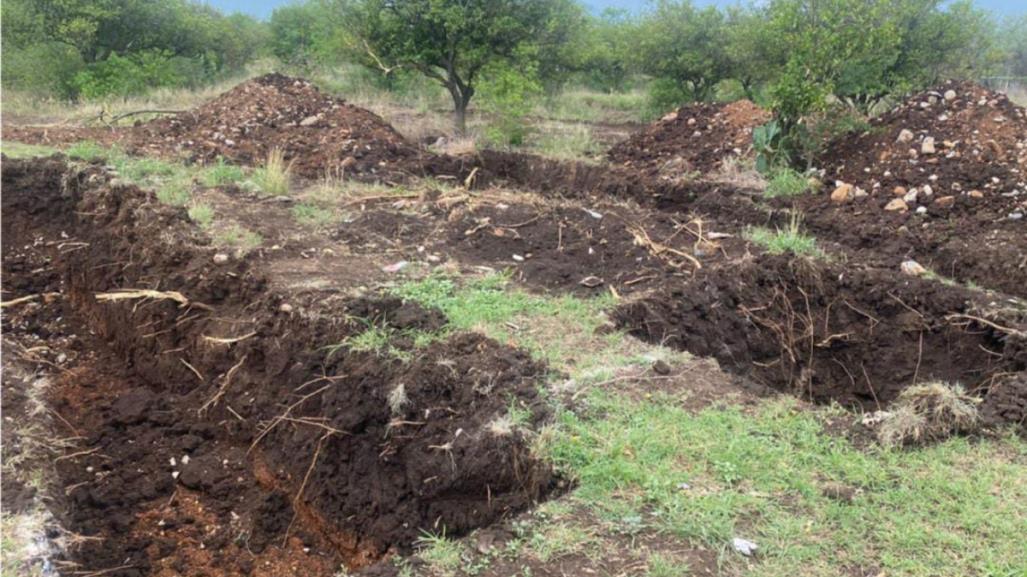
(854, 335)
(694, 138)
(292, 439)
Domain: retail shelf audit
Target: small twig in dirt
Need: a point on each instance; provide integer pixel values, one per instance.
(870, 386)
(303, 486)
(366, 199)
(228, 341)
(642, 238)
(469, 181)
(193, 369)
(127, 294)
(77, 454)
(101, 571)
(224, 386)
(901, 302)
(26, 299)
(919, 357)
(986, 322)
(285, 416)
(137, 112)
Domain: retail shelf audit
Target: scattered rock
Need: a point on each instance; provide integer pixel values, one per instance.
(842, 194)
(220, 258)
(285, 308)
(912, 268)
(927, 146)
(897, 204)
(905, 135)
(945, 201)
(900, 191)
(660, 367)
(950, 95)
(976, 194)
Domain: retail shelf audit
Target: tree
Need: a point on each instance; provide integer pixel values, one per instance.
(448, 41)
(755, 52)
(686, 46)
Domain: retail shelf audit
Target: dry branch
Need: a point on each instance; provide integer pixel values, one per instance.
(132, 294)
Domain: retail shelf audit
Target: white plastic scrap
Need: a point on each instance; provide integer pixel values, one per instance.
(744, 546)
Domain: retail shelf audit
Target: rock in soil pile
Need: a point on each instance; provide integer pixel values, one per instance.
(317, 132)
(955, 142)
(694, 138)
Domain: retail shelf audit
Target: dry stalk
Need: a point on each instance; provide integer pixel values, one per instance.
(133, 294)
(224, 386)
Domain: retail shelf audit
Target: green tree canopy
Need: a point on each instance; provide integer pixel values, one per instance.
(449, 41)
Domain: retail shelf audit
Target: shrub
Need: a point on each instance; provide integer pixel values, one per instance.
(122, 76)
(507, 94)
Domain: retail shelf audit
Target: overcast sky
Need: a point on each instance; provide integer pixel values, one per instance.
(263, 8)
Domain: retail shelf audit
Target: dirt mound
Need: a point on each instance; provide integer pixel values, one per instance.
(222, 431)
(694, 138)
(856, 336)
(317, 132)
(957, 139)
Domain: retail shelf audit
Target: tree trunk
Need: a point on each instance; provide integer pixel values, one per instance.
(461, 94)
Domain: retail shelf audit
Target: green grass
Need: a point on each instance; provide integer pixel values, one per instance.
(312, 215)
(221, 174)
(239, 237)
(561, 328)
(201, 214)
(781, 241)
(956, 508)
(444, 556)
(87, 150)
(18, 150)
(786, 182)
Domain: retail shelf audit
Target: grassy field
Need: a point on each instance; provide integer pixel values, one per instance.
(664, 468)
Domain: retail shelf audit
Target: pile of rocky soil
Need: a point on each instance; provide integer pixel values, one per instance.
(955, 144)
(694, 138)
(317, 132)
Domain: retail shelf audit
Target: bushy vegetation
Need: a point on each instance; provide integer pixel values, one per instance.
(807, 60)
(115, 48)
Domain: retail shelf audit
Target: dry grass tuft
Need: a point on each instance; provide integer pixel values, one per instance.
(739, 172)
(398, 399)
(929, 412)
(273, 178)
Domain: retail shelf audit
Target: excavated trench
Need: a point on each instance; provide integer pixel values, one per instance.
(217, 417)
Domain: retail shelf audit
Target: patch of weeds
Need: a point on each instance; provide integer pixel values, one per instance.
(221, 173)
(781, 241)
(201, 214)
(666, 566)
(176, 192)
(312, 215)
(785, 182)
(760, 472)
(240, 237)
(444, 556)
(574, 143)
(142, 169)
(373, 340)
(558, 539)
(273, 178)
(87, 150)
(19, 150)
(561, 328)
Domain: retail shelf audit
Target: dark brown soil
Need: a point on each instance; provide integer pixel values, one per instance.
(854, 335)
(317, 133)
(289, 434)
(694, 138)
